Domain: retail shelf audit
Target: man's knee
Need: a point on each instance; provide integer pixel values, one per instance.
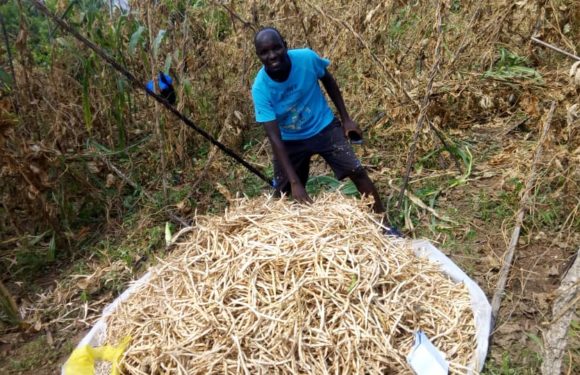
(358, 174)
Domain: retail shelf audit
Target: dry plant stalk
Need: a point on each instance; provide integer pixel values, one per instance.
(279, 288)
(158, 125)
(423, 107)
(523, 207)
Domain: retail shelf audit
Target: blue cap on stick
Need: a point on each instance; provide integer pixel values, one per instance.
(162, 83)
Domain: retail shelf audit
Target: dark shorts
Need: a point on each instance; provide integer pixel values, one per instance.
(330, 143)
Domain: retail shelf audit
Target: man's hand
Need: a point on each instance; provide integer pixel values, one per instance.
(297, 189)
(299, 193)
(351, 130)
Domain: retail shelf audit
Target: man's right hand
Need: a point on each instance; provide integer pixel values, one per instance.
(297, 188)
(299, 193)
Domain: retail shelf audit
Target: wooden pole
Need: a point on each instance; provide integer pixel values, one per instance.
(523, 207)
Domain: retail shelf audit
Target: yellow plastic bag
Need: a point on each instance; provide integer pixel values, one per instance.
(82, 360)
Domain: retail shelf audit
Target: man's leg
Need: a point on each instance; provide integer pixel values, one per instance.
(365, 186)
(333, 146)
(338, 153)
(300, 160)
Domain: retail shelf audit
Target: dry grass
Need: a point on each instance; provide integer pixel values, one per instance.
(272, 287)
(381, 54)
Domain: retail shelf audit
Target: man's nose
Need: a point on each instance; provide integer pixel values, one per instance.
(271, 55)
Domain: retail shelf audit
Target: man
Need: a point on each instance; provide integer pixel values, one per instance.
(299, 123)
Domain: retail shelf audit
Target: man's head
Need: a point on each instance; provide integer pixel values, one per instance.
(272, 50)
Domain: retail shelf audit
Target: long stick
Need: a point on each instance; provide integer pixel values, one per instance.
(424, 106)
(572, 56)
(138, 84)
(524, 203)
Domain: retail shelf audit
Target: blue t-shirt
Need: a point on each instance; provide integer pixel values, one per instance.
(297, 103)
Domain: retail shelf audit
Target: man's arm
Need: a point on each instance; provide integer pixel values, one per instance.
(333, 91)
(273, 133)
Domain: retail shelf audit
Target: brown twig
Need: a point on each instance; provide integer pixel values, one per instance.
(424, 105)
(20, 44)
(570, 55)
(235, 15)
(523, 207)
(440, 135)
(465, 42)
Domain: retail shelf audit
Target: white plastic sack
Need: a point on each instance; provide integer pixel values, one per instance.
(479, 303)
(481, 307)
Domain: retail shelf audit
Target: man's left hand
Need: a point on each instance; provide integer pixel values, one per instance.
(349, 127)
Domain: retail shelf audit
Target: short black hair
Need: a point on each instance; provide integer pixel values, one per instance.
(270, 28)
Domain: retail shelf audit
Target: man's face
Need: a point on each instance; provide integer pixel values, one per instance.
(271, 51)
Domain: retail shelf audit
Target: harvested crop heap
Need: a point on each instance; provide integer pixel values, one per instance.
(273, 287)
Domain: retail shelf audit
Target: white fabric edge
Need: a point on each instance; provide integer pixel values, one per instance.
(479, 303)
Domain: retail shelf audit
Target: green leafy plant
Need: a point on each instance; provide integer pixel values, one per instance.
(318, 184)
(136, 38)
(510, 65)
(462, 152)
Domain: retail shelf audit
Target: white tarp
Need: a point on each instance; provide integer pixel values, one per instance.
(479, 303)
(423, 248)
